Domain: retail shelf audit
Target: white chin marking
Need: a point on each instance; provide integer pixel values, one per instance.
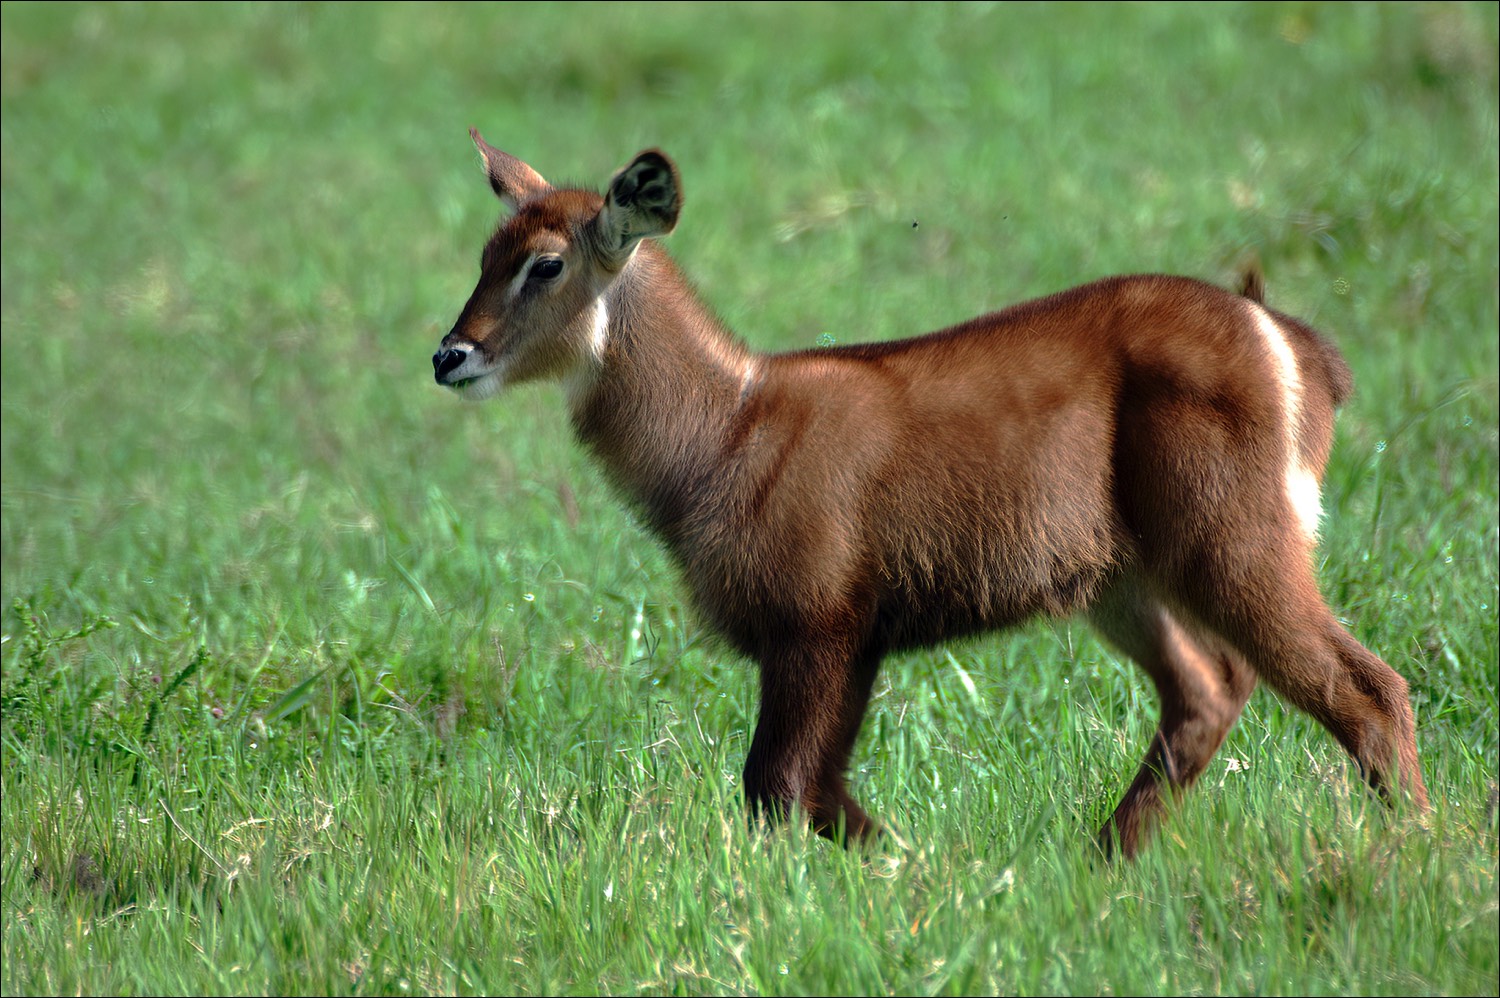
(1302, 492)
(483, 387)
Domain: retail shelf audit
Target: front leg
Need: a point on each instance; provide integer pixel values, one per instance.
(812, 702)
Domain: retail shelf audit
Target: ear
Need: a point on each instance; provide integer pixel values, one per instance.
(644, 200)
(512, 180)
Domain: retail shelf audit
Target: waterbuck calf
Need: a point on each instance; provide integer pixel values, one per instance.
(1143, 450)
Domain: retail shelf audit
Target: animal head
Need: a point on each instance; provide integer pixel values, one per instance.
(540, 309)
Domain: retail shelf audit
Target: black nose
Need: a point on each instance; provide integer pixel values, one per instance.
(447, 360)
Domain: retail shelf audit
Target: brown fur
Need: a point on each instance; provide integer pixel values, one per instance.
(1116, 450)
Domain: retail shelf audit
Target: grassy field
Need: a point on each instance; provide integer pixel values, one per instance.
(318, 681)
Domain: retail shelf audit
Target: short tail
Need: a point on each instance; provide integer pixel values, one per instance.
(1253, 281)
(1336, 373)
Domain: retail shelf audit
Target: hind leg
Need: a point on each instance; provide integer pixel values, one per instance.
(1377, 689)
(1269, 608)
(1221, 497)
(1202, 691)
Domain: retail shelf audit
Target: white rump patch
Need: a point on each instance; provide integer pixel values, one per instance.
(1305, 496)
(1302, 491)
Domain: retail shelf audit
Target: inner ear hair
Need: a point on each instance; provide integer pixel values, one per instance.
(643, 201)
(648, 181)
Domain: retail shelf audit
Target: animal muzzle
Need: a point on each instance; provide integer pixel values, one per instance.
(448, 360)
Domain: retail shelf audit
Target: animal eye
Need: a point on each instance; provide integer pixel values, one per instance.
(546, 268)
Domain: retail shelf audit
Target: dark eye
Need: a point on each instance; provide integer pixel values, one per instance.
(546, 268)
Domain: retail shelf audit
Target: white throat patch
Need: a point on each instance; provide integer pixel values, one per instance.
(599, 338)
(583, 375)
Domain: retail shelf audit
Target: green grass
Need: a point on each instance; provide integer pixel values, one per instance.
(315, 681)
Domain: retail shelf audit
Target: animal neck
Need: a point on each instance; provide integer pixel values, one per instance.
(668, 381)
